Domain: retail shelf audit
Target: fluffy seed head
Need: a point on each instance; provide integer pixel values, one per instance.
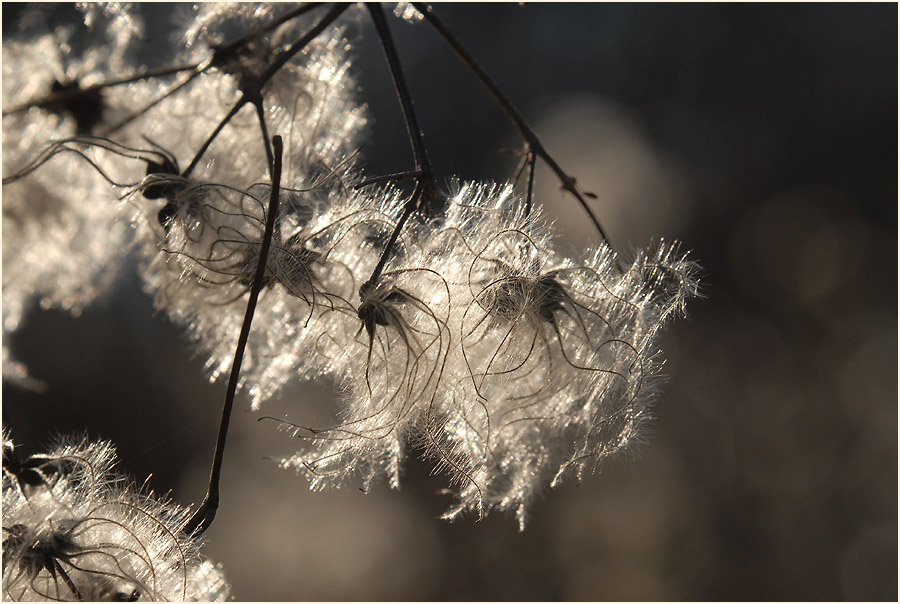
(74, 530)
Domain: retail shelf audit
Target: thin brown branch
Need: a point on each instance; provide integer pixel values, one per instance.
(206, 513)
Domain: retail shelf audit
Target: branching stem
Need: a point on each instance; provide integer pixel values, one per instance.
(532, 141)
(426, 187)
(220, 55)
(416, 139)
(223, 53)
(68, 94)
(251, 94)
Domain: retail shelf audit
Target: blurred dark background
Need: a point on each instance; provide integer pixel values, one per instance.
(762, 136)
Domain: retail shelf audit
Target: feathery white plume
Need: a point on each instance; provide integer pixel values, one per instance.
(74, 530)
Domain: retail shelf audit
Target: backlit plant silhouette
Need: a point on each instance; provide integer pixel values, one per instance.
(448, 315)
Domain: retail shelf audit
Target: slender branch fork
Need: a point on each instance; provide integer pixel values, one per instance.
(423, 171)
(69, 94)
(206, 513)
(220, 56)
(533, 143)
(424, 192)
(253, 94)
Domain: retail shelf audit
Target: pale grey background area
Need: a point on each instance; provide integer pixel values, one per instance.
(765, 138)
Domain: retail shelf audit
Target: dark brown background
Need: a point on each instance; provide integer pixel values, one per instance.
(765, 138)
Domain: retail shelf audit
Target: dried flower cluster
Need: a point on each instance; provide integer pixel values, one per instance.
(508, 363)
(74, 530)
(458, 329)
